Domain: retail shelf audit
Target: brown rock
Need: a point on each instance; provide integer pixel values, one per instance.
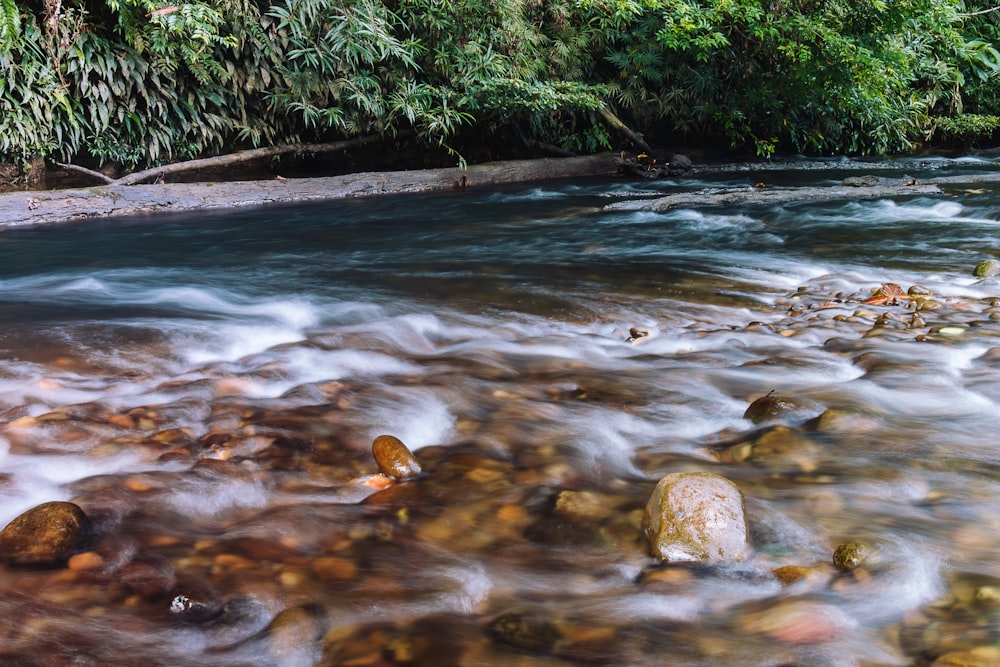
(529, 630)
(696, 516)
(87, 560)
(44, 536)
(769, 407)
(789, 574)
(394, 458)
(151, 577)
(333, 567)
(585, 505)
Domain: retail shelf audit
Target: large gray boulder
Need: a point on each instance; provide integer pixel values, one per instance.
(696, 516)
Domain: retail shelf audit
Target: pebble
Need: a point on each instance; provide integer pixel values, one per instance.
(333, 567)
(848, 556)
(797, 622)
(88, 560)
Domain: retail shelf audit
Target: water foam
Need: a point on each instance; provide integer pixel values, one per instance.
(418, 417)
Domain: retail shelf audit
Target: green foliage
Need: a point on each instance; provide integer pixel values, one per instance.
(968, 129)
(823, 77)
(513, 97)
(341, 63)
(137, 82)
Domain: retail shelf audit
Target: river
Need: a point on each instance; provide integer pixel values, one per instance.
(206, 387)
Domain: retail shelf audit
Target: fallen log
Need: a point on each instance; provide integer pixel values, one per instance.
(45, 207)
(228, 160)
(748, 196)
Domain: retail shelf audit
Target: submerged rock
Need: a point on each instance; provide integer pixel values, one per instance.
(529, 630)
(796, 622)
(768, 407)
(696, 516)
(867, 180)
(150, 576)
(394, 458)
(778, 447)
(43, 536)
(295, 635)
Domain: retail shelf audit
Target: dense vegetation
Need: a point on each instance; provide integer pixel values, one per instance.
(137, 82)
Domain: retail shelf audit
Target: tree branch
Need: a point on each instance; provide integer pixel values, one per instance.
(226, 160)
(616, 124)
(239, 157)
(83, 170)
(981, 11)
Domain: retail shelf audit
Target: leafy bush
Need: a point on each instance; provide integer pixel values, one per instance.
(968, 129)
(136, 82)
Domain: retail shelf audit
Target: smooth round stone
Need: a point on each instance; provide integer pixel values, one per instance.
(798, 622)
(87, 560)
(45, 535)
(696, 516)
(394, 458)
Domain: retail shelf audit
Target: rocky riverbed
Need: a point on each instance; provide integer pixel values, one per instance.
(386, 540)
(427, 431)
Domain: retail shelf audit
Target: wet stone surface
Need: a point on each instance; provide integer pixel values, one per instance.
(44, 536)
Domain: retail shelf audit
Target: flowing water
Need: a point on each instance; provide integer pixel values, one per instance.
(207, 388)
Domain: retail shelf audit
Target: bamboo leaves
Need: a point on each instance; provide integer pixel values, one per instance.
(135, 82)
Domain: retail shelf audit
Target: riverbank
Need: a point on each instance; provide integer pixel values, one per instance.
(47, 207)
(29, 208)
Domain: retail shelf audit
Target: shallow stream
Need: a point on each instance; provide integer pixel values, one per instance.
(207, 388)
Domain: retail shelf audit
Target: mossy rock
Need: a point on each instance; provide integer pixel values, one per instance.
(849, 556)
(986, 268)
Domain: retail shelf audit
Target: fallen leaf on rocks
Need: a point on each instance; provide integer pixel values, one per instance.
(888, 293)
